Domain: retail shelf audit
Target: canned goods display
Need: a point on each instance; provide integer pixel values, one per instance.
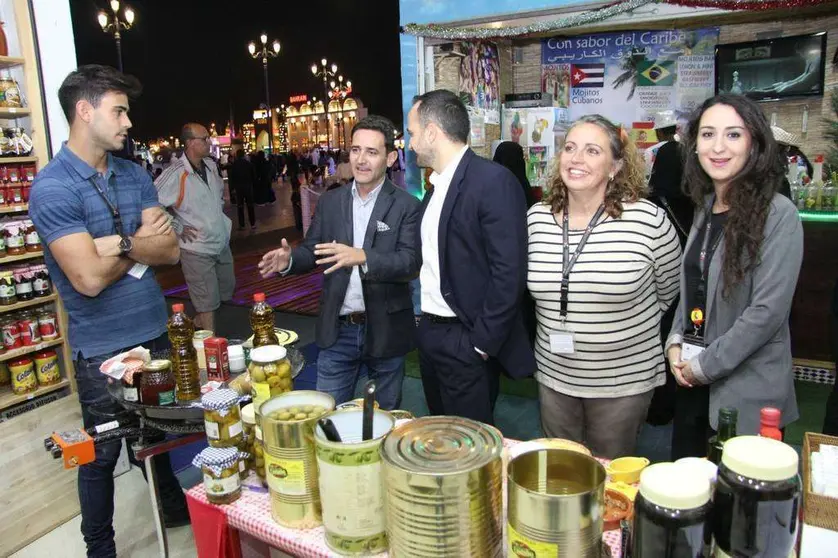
(351, 491)
(443, 488)
(22, 371)
(27, 324)
(290, 460)
(11, 333)
(46, 368)
(48, 324)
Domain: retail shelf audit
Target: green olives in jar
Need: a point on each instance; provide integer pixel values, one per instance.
(222, 418)
(220, 467)
(270, 373)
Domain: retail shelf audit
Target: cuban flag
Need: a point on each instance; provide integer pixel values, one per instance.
(587, 75)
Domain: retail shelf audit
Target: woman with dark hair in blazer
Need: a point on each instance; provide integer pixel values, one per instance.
(730, 340)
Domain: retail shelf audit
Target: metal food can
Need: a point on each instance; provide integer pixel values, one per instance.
(290, 460)
(555, 501)
(352, 493)
(46, 368)
(443, 488)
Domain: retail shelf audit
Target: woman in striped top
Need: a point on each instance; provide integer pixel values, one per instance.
(599, 358)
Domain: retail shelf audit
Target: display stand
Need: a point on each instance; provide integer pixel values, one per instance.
(22, 64)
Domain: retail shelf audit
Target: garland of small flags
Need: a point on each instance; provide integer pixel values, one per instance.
(438, 31)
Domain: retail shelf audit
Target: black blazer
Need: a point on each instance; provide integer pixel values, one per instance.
(392, 261)
(483, 259)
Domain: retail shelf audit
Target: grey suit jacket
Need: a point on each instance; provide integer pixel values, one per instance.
(392, 261)
(748, 358)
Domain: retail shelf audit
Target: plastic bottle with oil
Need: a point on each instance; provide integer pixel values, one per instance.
(184, 356)
(262, 322)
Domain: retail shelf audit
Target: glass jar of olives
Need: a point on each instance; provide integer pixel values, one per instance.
(255, 446)
(222, 418)
(270, 373)
(220, 467)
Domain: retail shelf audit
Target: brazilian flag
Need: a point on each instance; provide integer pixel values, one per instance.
(655, 73)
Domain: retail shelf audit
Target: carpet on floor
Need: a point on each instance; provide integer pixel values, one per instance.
(297, 294)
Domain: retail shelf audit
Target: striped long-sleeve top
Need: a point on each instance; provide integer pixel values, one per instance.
(622, 282)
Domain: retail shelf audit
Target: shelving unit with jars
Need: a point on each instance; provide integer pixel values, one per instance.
(35, 360)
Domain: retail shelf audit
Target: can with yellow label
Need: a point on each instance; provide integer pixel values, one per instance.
(287, 425)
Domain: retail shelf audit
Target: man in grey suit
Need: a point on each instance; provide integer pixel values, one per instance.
(365, 233)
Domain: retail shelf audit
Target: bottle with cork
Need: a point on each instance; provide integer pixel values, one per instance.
(262, 322)
(184, 356)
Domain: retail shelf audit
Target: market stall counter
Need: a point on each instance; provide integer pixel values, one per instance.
(228, 531)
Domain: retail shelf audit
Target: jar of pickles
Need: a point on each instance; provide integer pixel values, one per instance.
(222, 418)
(255, 446)
(270, 373)
(220, 467)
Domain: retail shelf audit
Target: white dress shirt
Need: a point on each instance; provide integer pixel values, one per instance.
(429, 275)
(361, 213)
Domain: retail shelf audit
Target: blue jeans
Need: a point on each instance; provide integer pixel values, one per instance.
(96, 486)
(339, 365)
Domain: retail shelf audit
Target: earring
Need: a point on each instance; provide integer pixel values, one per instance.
(610, 177)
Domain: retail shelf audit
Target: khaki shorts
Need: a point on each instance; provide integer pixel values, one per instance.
(210, 279)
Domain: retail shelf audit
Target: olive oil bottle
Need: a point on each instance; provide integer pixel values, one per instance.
(184, 356)
(262, 322)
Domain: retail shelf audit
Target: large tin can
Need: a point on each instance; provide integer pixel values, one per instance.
(443, 481)
(351, 490)
(290, 461)
(556, 500)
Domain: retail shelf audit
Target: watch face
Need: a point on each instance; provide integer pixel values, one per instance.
(125, 244)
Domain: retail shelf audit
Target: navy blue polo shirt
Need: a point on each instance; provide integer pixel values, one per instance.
(64, 202)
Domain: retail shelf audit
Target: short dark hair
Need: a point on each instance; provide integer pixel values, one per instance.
(448, 112)
(91, 83)
(381, 124)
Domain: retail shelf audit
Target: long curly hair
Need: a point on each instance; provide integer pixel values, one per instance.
(749, 193)
(628, 185)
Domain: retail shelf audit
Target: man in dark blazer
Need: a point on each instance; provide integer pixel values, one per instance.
(473, 241)
(365, 233)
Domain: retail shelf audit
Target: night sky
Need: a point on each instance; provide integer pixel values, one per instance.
(192, 59)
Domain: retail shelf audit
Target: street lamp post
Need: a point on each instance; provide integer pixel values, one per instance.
(325, 72)
(264, 54)
(117, 26)
(339, 91)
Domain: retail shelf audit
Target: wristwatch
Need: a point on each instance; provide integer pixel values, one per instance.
(125, 245)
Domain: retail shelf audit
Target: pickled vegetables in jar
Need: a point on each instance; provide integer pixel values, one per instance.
(220, 467)
(270, 373)
(255, 446)
(222, 418)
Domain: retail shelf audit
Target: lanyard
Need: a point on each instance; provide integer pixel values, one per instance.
(117, 217)
(698, 314)
(569, 261)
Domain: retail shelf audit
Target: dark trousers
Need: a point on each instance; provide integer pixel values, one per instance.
(691, 423)
(244, 196)
(456, 379)
(96, 484)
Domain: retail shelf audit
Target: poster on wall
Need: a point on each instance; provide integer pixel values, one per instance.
(514, 126)
(555, 80)
(479, 86)
(478, 131)
(633, 76)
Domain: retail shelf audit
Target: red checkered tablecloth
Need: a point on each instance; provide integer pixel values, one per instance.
(252, 514)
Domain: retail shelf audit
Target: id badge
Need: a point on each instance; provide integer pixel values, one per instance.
(691, 346)
(562, 342)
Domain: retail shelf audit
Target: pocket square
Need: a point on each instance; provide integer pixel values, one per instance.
(381, 226)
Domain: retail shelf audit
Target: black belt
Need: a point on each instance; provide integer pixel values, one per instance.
(441, 319)
(356, 318)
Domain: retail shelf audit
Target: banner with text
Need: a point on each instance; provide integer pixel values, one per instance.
(632, 76)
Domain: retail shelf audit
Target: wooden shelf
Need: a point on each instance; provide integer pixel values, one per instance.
(20, 258)
(11, 61)
(13, 160)
(27, 303)
(9, 399)
(15, 353)
(12, 113)
(20, 208)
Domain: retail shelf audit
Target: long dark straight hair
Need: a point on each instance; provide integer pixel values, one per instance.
(750, 191)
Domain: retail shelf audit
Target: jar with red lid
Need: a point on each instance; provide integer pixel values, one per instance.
(22, 371)
(41, 283)
(24, 287)
(15, 242)
(14, 193)
(11, 333)
(47, 324)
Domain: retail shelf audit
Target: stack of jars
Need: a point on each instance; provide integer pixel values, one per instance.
(28, 328)
(224, 428)
(24, 282)
(19, 237)
(29, 372)
(15, 184)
